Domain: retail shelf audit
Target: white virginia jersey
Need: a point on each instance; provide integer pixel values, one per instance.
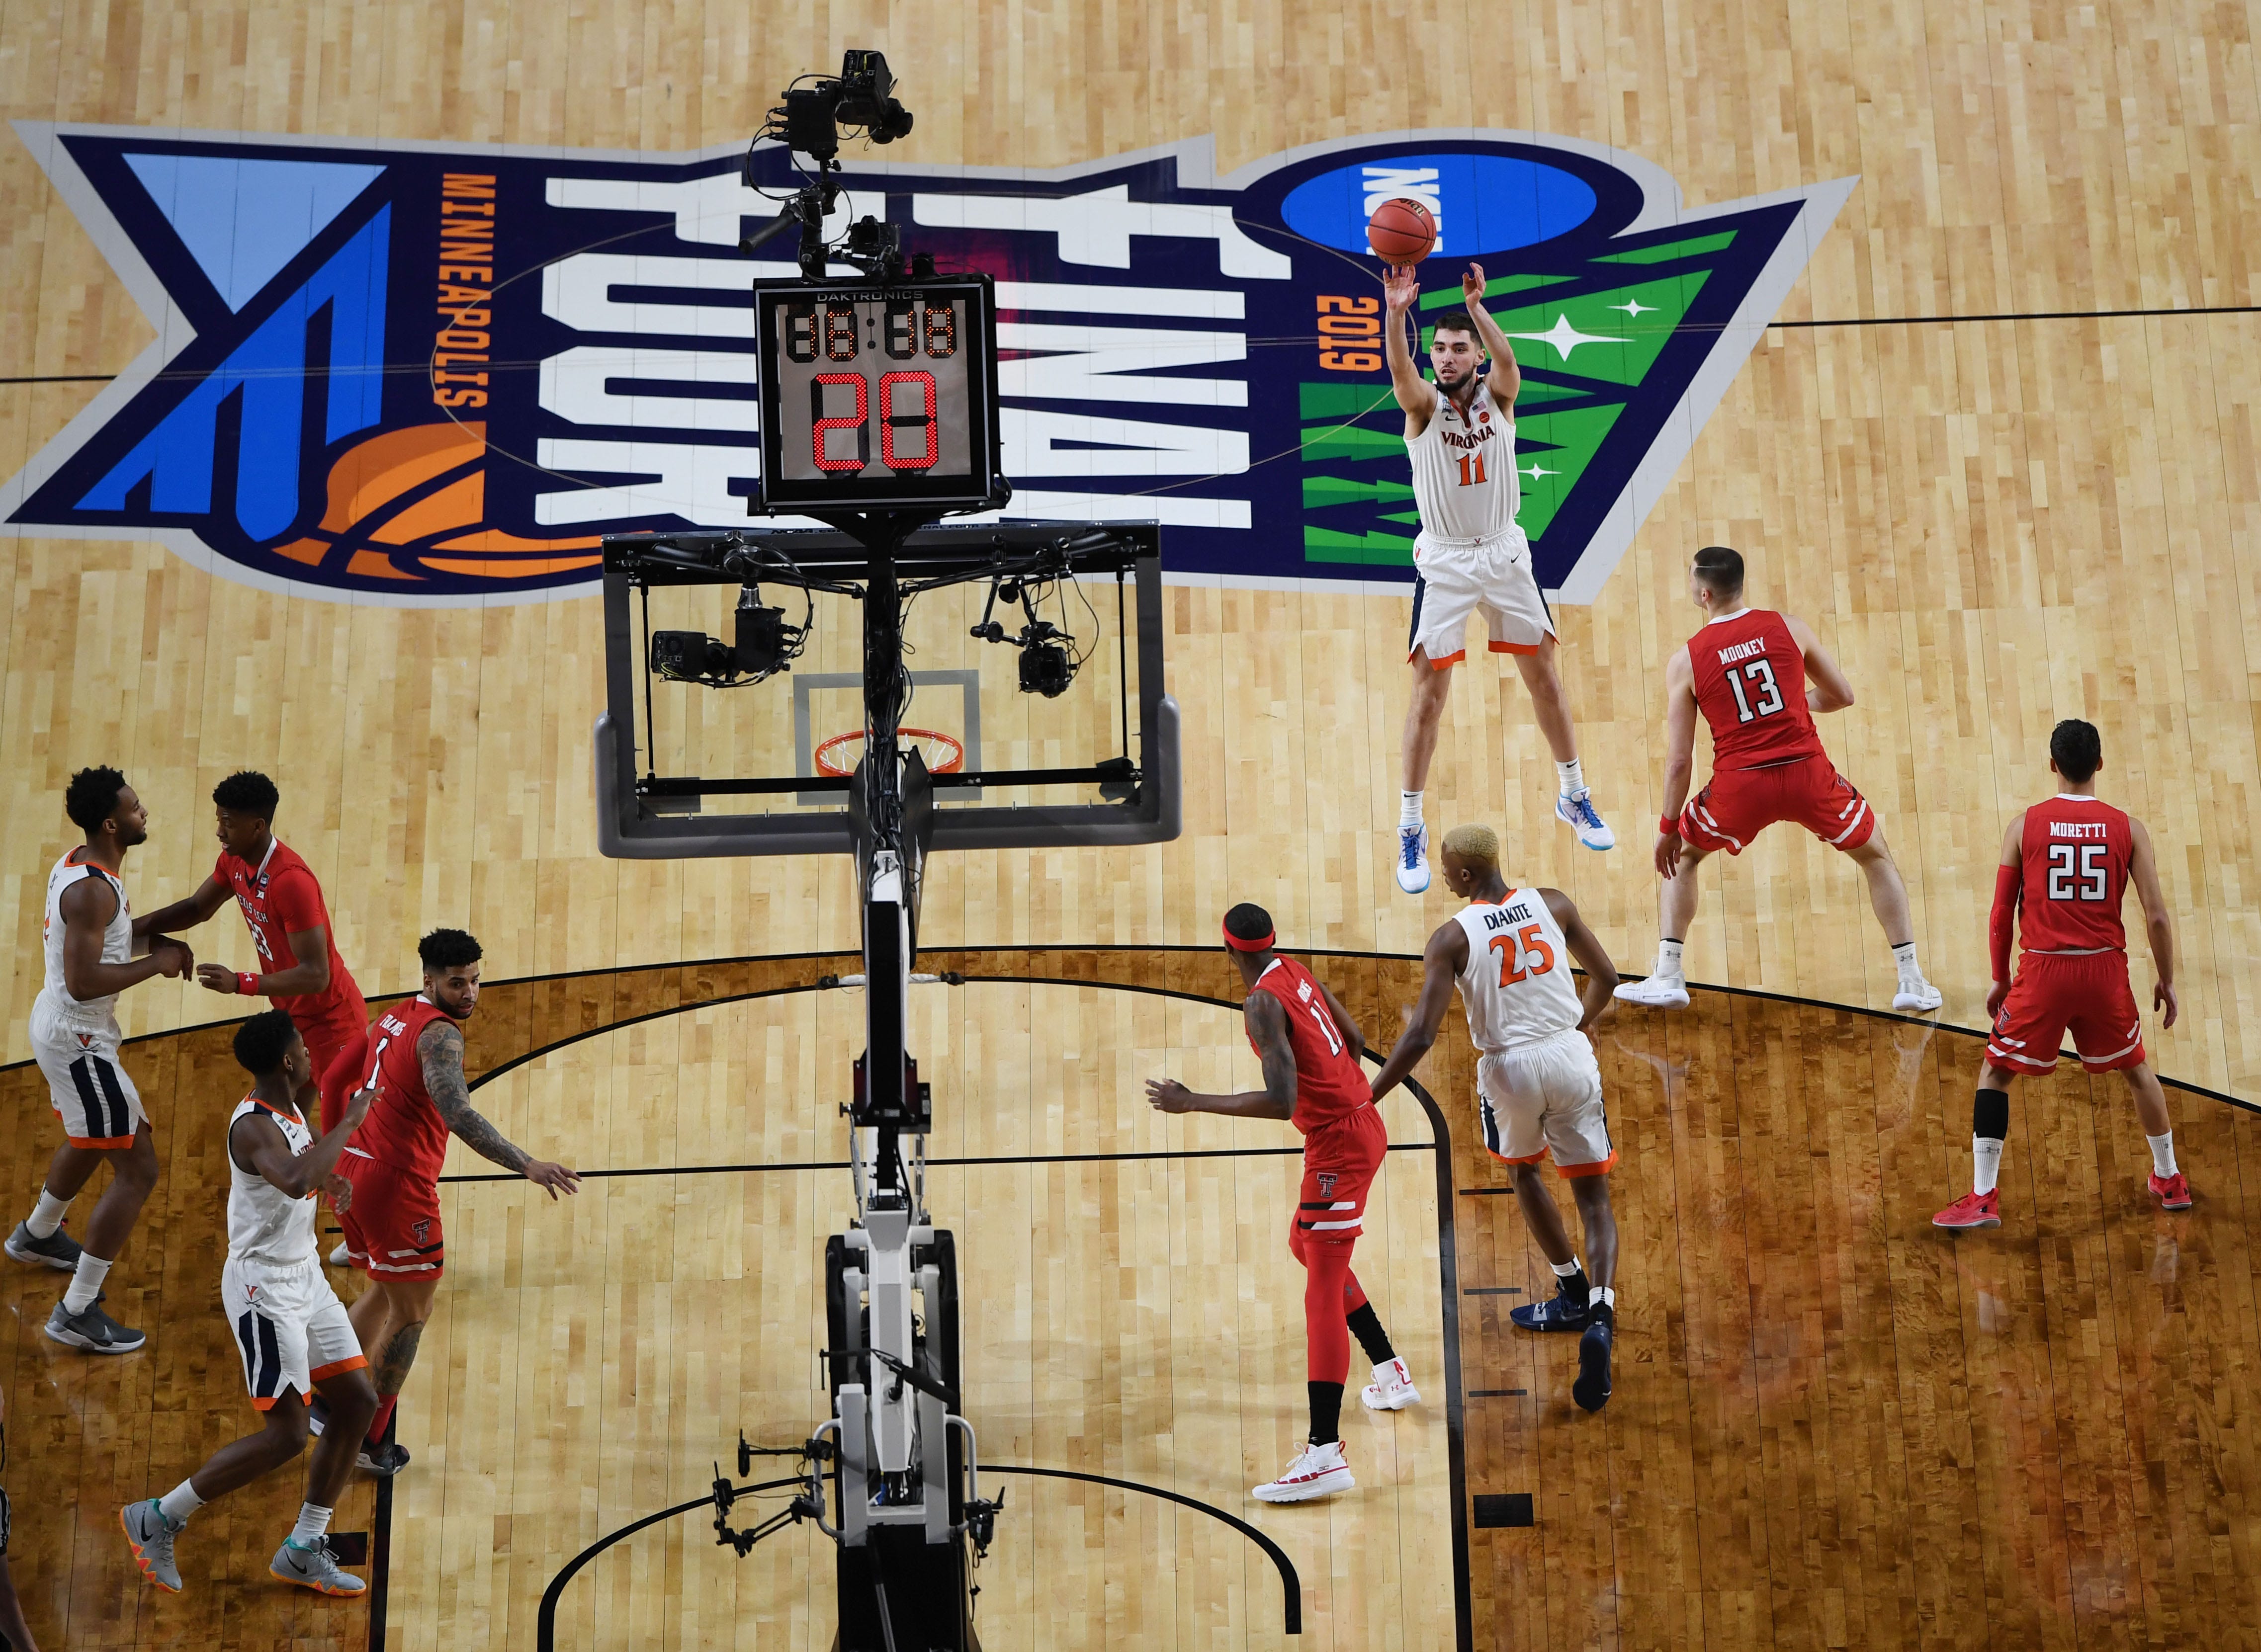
(264, 1224)
(94, 1014)
(1464, 479)
(1517, 981)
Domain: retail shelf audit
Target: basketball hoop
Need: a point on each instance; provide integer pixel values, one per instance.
(950, 752)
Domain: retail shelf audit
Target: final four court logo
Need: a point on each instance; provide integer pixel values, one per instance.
(418, 374)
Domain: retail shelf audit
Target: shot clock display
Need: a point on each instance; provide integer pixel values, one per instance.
(876, 396)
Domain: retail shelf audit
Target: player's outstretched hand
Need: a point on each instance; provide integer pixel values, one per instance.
(2163, 1000)
(357, 1107)
(1995, 994)
(1667, 853)
(1472, 286)
(213, 978)
(1401, 285)
(1167, 1095)
(552, 1179)
(339, 1189)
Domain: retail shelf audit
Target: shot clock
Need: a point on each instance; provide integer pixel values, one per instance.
(877, 397)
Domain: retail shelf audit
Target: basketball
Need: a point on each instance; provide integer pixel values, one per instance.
(1402, 231)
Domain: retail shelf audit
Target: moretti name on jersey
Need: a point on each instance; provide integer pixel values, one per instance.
(2098, 829)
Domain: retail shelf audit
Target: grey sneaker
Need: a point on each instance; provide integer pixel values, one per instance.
(58, 1250)
(315, 1568)
(152, 1536)
(92, 1329)
(384, 1461)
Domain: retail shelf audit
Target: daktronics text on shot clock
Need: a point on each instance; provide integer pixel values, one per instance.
(877, 397)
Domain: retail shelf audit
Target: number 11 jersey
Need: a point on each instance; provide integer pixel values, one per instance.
(1516, 984)
(1750, 680)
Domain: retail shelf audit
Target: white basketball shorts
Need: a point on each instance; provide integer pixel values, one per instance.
(1545, 1098)
(1456, 578)
(93, 1095)
(291, 1329)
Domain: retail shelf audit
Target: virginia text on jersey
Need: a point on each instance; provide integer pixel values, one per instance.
(423, 373)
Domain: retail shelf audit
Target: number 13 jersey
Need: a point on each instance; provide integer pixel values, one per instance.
(1516, 984)
(1750, 680)
(2076, 854)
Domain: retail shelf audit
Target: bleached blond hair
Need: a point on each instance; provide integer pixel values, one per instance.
(1476, 843)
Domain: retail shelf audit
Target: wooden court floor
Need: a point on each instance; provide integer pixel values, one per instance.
(1833, 1425)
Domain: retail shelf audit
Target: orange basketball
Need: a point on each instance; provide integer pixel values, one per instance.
(1402, 231)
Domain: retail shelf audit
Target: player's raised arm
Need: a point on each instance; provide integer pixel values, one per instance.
(1401, 287)
(1679, 757)
(1827, 689)
(1442, 960)
(1506, 379)
(440, 1052)
(2158, 924)
(256, 1143)
(1267, 1020)
(1586, 947)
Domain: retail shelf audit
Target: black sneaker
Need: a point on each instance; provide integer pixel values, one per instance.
(1591, 1390)
(1566, 1311)
(58, 1250)
(384, 1461)
(92, 1329)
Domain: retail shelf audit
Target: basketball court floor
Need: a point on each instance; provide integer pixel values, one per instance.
(1995, 442)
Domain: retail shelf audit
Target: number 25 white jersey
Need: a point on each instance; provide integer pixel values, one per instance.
(1516, 984)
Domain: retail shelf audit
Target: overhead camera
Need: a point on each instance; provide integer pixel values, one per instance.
(765, 645)
(809, 122)
(810, 119)
(1048, 655)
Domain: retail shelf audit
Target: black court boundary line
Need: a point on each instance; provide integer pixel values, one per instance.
(1826, 321)
(931, 1164)
(2183, 1085)
(1448, 1243)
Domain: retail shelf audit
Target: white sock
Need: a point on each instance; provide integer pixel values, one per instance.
(1570, 777)
(1667, 959)
(86, 1282)
(313, 1523)
(2162, 1154)
(46, 1215)
(1602, 1297)
(179, 1503)
(1408, 808)
(1986, 1163)
(1564, 1270)
(1903, 956)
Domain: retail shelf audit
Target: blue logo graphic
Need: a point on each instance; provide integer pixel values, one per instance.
(402, 373)
(1482, 202)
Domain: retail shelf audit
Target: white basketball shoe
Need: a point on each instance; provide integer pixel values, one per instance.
(1315, 1471)
(1391, 1388)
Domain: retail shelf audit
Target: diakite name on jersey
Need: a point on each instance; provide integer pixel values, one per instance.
(1501, 917)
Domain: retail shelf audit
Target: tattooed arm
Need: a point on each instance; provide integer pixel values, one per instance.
(440, 1051)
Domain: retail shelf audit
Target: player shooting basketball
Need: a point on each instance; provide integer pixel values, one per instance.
(1309, 1046)
(1470, 556)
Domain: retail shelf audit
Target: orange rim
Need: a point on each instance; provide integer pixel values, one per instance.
(953, 762)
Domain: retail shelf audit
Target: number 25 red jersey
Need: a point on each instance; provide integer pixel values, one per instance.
(1329, 1086)
(402, 1129)
(2075, 854)
(1750, 680)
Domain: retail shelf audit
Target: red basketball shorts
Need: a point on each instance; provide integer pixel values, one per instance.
(1738, 804)
(2052, 993)
(1340, 1161)
(392, 1221)
(330, 1040)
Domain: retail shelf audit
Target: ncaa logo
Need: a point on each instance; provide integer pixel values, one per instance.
(423, 373)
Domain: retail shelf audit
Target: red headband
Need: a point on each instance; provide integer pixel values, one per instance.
(1262, 943)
